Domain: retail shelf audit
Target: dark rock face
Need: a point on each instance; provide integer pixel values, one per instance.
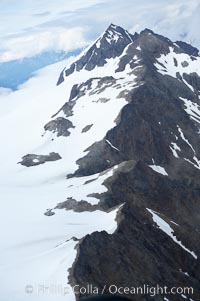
(61, 78)
(87, 128)
(49, 212)
(140, 253)
(194, 80)
(81, 206)
(60, 126)
(147, 127)
(188, 48)
(34, 160)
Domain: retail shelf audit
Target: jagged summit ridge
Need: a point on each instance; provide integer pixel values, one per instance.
(115, 40)
(115, 32)
(109, 45)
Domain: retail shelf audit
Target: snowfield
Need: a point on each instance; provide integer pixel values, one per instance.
(37, 250)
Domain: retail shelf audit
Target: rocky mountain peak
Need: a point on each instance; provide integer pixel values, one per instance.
(109, 45)
(114, 39)
(147, 31)
(153, 43)
(114, 32)
(151, 40)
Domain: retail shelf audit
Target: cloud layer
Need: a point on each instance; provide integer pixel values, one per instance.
(30, 27)
(29, 45)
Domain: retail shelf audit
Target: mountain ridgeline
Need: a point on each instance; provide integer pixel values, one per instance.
(139, 99)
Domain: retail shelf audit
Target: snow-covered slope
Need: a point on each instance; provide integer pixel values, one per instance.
(35, 248)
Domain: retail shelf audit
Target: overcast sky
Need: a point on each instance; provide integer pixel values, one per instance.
(29, 27)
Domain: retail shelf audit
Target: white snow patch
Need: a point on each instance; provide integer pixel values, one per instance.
(113, 36)
(174, 147)
(128, 35)
(174, 223)
(189, 86)
(184, 139)
(114, 147)
(192, 108)
(197, 164)
(98, 43)
(176, 45)
(184, 272)
(159, 169)
(36, 160)
(165, 227)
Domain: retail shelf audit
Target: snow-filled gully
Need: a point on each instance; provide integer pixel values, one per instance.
(165, 227)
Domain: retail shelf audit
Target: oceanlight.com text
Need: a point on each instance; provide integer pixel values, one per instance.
(112, 289)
